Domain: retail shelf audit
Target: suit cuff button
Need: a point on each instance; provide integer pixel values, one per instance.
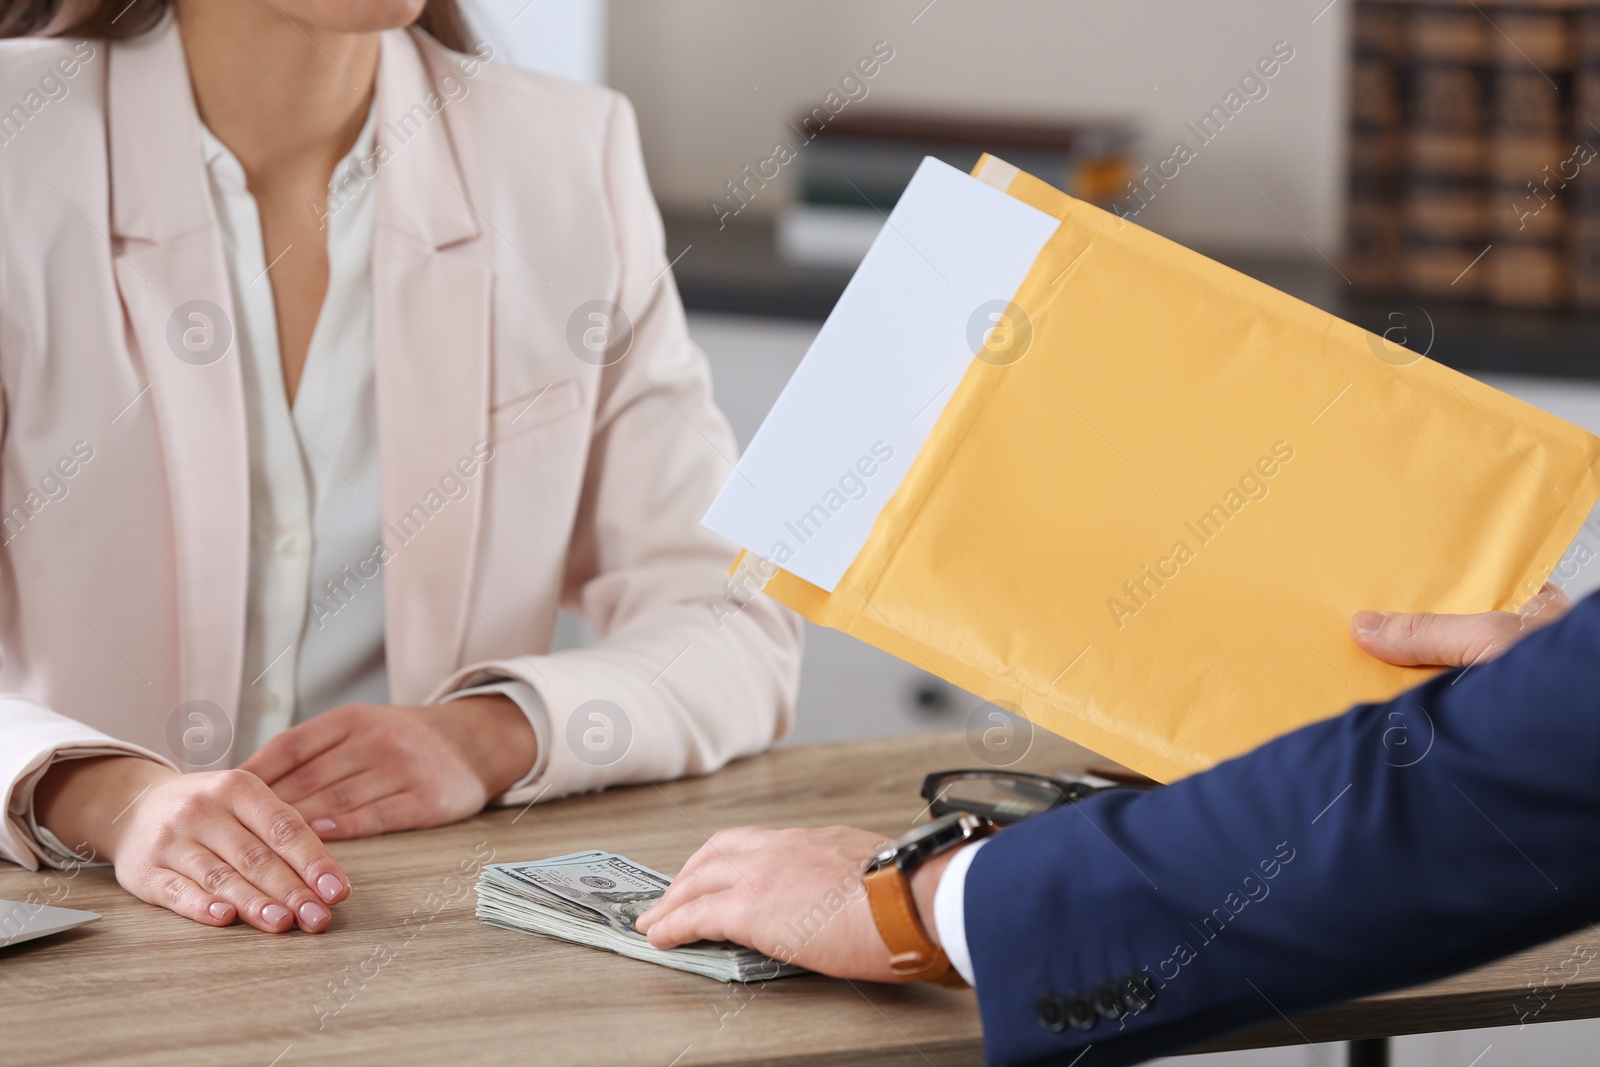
(1080, 1013)
(1138, 992)
(1108, 1000)
(1051, 1011)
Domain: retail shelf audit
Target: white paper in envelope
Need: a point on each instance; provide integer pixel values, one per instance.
(860, 406)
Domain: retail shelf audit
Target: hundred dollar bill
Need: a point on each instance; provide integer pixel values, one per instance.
(595, 898)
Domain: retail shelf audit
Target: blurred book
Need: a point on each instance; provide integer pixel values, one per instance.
(1473, 131)
(1376, 145)
(1530, 142)
(826, 235)
(1585, 252)
(853, 172)
(1444, 208)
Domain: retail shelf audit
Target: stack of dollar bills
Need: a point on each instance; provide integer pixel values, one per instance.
(594, 898)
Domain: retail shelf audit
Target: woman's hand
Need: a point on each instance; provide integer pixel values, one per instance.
(367, 769)
(210, 846)
(794, 895)
(1425, 640)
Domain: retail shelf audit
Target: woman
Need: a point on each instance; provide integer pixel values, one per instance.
(333, 360)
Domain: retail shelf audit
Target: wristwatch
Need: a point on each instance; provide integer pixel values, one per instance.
(912, 954)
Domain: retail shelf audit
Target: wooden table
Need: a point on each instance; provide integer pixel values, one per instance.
(408, 975)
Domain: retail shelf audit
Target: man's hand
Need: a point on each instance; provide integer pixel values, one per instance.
(211, 846)
(364, 769)
(794, 895)
(1426, 640)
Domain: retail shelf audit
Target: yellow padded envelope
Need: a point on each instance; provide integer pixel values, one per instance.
(1149, 532)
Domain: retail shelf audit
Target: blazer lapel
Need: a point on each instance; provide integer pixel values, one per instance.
(431, 337)
(174, 287)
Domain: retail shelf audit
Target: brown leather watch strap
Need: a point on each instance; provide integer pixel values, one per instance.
(912, 954)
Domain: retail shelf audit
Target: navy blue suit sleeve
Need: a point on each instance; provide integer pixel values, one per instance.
(1391, 845)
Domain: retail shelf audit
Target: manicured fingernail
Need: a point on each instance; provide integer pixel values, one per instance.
(220, 910)
(322, 826)
(329, 886)
(274, 914)
(312, 914)
(1368, 623)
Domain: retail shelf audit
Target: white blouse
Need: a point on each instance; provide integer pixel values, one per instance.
(315, 509)
(314, 622)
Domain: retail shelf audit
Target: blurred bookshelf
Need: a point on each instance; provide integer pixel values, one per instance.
(1467, 133)
(736, 269)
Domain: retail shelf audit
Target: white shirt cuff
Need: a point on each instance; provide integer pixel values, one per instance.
(949, 910)
(528, 699)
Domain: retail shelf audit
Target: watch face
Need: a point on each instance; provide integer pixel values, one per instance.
(918, 834)
(922, 842)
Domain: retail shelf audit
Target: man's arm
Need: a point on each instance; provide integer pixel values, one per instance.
(1394, 844)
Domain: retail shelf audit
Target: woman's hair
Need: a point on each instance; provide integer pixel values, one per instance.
(119, 19)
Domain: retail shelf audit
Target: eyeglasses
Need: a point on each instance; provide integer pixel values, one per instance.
(1011, 796)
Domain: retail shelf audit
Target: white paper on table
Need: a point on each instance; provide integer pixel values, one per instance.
(879, 374)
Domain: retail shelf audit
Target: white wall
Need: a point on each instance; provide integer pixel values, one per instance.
(565, 37)
(715, 80)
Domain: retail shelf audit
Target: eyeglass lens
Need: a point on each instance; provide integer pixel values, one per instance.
(1005, 796)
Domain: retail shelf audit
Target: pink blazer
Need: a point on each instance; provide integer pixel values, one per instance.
(507, 201)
